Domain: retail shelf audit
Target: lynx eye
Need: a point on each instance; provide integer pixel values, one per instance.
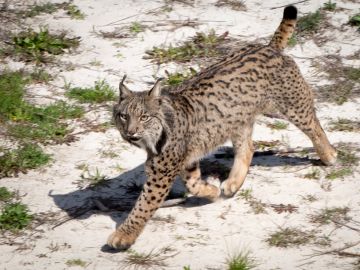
(123, 116)
(144, 118)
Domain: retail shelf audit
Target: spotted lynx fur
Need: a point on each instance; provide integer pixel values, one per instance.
(178, 126)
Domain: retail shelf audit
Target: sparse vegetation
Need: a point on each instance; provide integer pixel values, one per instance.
(178, 77)
(92, 178)
(355, 20)
(233, 4)
(310, 22)
(339, 173)
(326, 215)
(148, 260)
(136, 28)
(278, 125)
(73, 11)
(76, 262)
(292, 41)
(28, 156)
(329, 6)
(289, 237)
(38, 9)
(313, 174)
(14, 217)
(257, 206)
(343, 124)
(200, 46)
(37, 46)
(241, 261)
(100, 92)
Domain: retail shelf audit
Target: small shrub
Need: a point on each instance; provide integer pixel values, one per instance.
(101, 92)
(33, 46)
(200, 46)
(178, 77)
(14, 217)
(76, 262)
(5, 194)
(26, 157)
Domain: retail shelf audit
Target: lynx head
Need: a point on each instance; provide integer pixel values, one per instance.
(143, 118)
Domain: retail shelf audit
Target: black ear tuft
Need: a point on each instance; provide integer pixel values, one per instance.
(290, 13)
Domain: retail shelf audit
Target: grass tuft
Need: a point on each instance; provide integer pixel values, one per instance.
(233, 4)
(28, 156)
(342, 124)
(151, 260)
(310, 22)
(200, 46)
(289, 237)
(278, 125)
(329, 6)
(73, 11)
(136, 28)
(241, 261)
(313, 174)
(14, 217)
(38, 9)
(326, 215)
(101, 92)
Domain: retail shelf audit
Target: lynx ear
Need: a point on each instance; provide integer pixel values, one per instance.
(123, 90)
(156, 90)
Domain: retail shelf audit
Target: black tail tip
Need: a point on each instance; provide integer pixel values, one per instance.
(290, 13)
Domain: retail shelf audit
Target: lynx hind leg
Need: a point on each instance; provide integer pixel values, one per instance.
(244, 150)
(208, 189)
(301, 112)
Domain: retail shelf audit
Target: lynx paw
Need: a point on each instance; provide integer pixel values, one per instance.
(229, 187)
(120, 240)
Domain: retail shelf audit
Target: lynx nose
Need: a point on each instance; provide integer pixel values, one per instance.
(132, 135)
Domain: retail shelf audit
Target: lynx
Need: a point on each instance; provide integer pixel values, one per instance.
(177, 126)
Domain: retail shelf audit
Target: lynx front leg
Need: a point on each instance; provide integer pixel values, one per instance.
(155, 189)
(198, 187)
(244, 149)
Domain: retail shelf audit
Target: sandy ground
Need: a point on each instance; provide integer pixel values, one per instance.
(198, 235)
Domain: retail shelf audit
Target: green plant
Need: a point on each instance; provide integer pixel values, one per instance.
(5, 194)
(278, 125)
(91, 179)
(178, 77)
(330, 6)
(241, 261)
(309, 22)
(200, 46)
(136, 27)
(15, 216)
(146, 260)
(352, 73)
(28, 156)
(186, 268)
(35, 46)
(73, 11)
(289, 237)
(101, 92)
(355, 20)
(76, 262)
(339, 173)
